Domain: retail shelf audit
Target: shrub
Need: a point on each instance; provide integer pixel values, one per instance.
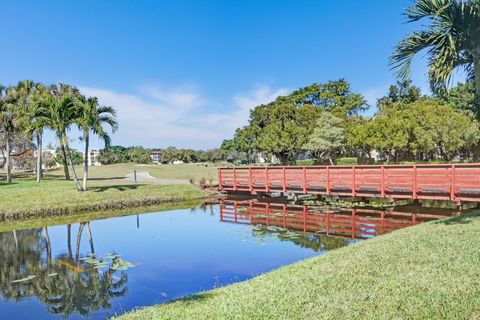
(347, 160)
(306, 162)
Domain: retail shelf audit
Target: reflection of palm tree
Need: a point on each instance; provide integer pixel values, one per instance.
(62, 287)
(49, 246)
(69, 240)
(79, 239)
(90, 238)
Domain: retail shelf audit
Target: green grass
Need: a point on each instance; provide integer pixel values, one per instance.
(108, 189)
(430, 271)
(28, 196)
(164, 171)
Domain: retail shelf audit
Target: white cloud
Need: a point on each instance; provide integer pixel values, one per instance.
(156, 117)
(259, 95)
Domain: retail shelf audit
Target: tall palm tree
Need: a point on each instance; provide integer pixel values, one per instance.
(451, 38)
(64, 110)
(33, 97)
(93, 117)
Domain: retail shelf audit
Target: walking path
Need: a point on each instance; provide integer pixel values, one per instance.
(146, 177)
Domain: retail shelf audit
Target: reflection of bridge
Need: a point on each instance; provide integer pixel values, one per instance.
(351, 223)
(454, 182)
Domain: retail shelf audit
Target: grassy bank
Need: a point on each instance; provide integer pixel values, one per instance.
(38, 222)
(430, 271)
(27, 199)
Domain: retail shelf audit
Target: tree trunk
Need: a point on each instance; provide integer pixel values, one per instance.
(85, 161)
(69, 241)
(15, 239)
(79, 240)
(49, 246)
(7, 164)
(39, 156)
(65, 164)
(70, 162)
(90, 238)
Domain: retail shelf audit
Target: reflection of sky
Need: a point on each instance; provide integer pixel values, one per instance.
(180, 252)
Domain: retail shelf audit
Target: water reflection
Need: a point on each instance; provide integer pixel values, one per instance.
(69, 271)
(339, 222)
(65, 284)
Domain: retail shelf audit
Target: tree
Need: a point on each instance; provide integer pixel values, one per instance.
(451, 38)
(328, 137)
(402, 92)
(34, 97)
(10, 122)
(138, 155)
(334, 96)
(287, 130)
(424, 130)
(92, 119)
(462, 97)
(281, 128)
(64, 110)
(77, 156)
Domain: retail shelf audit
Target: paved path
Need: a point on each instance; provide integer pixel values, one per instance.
(146, 177)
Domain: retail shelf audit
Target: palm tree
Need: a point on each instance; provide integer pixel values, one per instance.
(64, 110)
(451, 38)
(33, 97)
(8, 122)
(92, 119)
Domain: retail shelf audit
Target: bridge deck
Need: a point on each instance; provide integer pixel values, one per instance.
(455, 182)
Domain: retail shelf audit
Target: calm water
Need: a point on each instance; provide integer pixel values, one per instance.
(121, 263)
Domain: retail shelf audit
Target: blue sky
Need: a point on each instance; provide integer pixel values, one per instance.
(186, 73)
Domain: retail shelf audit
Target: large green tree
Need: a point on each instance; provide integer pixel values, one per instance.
(451, 38)
(282, 127)
(424, 130)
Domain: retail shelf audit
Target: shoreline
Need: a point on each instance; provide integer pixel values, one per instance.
(111, 205)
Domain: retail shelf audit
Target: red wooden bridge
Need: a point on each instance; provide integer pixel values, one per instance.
(454, 182)
(349, 223)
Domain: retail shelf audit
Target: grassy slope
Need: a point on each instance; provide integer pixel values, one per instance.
(430, 271)
(28, 196)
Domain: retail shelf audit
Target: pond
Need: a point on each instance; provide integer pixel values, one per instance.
(106, 267)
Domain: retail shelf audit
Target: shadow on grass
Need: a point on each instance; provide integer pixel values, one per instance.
(461, 219)
(121, 187)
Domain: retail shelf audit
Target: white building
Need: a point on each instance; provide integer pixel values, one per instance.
(156, 156)
(93, 158)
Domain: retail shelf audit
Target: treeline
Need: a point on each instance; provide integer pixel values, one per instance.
(119, 154)
(29, 108)
(325, 122)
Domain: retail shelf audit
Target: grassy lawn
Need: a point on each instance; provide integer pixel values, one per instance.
(430, 271)
(108, 189)
(164, 171)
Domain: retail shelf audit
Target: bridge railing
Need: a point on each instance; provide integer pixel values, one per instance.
(455, 182)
